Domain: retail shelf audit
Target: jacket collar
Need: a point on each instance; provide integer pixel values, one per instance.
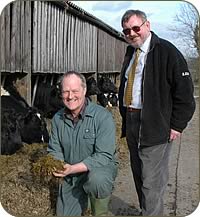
(89, 110)
(154, 40)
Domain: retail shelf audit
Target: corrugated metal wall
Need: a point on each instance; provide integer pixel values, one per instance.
(41, 37)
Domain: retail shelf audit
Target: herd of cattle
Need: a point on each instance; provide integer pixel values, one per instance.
(21, 123)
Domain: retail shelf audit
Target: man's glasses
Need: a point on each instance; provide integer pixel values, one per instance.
(134, 28)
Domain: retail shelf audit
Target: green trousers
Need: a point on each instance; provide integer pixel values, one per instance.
(74, 191)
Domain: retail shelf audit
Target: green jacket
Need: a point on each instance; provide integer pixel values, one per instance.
(91, 141)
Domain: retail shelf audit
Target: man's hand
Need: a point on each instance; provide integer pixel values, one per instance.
(62, 173)
(174, 135)
(71, 169)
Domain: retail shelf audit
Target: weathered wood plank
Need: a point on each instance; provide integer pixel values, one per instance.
(72, 44)
(2, 41)
(35, 36)
(7, 38)
(65, 41)
(27, 37)
(55, 40)
(13, 37)
(22, 34)
(38, 42)
(52, 39)
(43, 37)
(61, 43)
(17, 21)
(48, 37)
(69, 43)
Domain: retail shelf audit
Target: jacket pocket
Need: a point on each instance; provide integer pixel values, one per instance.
(89, 137)
(89, 142)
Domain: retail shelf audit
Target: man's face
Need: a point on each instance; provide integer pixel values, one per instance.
(73, 93)
(136, 39)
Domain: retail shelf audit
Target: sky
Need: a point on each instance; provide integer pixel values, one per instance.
(161, 15)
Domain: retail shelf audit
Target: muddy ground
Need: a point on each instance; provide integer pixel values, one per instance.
(22, 195)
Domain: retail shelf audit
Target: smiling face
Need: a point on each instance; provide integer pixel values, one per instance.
(73, 93)
(136, 39)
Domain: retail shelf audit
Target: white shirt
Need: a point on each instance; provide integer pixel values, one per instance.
(137, 84)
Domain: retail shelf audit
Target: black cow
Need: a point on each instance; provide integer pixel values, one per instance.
(106, 85)
(92, 88)
(48, 99)
(25, 124)
(113, 99)
(107, 99)
(102, 99)
(108, 96)
(10, 134)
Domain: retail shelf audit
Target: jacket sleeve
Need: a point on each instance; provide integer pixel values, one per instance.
(54, 148)
(183, 102)
(105, 146)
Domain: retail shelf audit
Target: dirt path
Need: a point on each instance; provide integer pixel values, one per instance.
(182, 193)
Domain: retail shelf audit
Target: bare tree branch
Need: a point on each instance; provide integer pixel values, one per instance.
(188, 26)
(187, 29)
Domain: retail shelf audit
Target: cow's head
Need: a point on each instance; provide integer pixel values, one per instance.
(106, 85)
(33, 127)
(92, 88)
(10, 133)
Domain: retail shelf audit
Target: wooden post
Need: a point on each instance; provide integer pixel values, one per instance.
(23, 85)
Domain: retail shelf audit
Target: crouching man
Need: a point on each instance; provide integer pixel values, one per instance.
(83, 136)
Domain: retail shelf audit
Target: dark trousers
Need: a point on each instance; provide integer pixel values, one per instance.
(149, 167)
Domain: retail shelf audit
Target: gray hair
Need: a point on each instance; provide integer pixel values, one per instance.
(130, 13)
(79, 75)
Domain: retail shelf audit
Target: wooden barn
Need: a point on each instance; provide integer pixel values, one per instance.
(40, 40)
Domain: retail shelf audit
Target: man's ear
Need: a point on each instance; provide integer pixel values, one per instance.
(148, 24)
(85, 90)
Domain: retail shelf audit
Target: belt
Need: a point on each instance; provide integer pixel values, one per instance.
(129, 109)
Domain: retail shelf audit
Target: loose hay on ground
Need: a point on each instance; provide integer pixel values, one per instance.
(22, 193)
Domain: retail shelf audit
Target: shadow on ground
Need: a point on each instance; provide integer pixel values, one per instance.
(124, 209)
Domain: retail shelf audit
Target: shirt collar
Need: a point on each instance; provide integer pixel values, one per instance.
(146, 45)
(67, 112)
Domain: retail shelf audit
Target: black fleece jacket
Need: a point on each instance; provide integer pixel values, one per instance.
(167, 92)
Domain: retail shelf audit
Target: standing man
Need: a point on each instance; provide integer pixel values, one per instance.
(83, 136)
(156, 102)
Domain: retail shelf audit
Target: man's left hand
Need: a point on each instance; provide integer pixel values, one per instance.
(62, 173)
